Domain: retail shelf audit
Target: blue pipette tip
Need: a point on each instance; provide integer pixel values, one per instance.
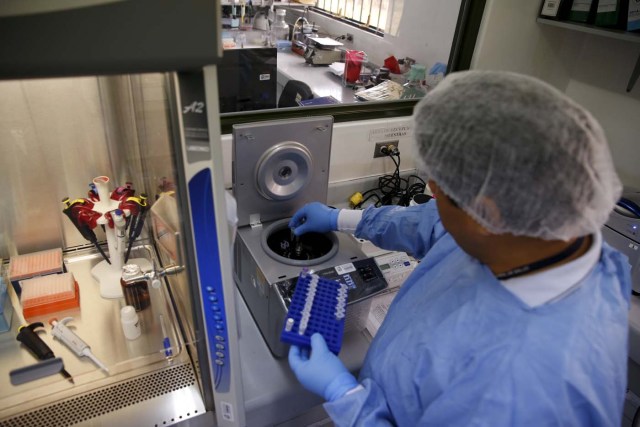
(166, 342)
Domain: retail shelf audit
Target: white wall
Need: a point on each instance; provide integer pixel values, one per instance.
(425, 32)
(592, 70)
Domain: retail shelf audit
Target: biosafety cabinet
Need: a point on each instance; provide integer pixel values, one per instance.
(110, 155)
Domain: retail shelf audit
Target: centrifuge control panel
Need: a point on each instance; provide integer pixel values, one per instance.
(363, 279)
(395, 267)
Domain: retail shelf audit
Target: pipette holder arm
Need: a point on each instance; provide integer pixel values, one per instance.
(104, 205)
(108, 275)
(116, 254)
(102, 187)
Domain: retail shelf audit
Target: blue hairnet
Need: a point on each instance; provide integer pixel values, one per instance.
(517, 155)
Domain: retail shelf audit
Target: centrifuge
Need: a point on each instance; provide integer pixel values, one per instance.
(278, 166)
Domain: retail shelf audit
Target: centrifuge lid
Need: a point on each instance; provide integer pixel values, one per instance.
(280, 165)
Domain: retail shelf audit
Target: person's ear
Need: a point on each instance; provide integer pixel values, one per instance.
(486, 205)
(487, 209)
(435, 189)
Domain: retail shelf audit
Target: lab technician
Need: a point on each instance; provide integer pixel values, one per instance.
(517, 312)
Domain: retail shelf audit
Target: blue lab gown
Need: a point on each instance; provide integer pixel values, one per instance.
(457, 348)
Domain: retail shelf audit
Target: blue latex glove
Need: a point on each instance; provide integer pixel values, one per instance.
(322, 373)
(316, 217)
(438, 68)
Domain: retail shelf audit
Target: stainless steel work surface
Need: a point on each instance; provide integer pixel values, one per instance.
(97, 322)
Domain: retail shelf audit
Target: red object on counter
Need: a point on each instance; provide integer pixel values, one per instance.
(353, 65)
(391, 63)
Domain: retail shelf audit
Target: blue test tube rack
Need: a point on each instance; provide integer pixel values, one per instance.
(318, 305)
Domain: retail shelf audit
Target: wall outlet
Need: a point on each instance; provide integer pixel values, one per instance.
(379, 145)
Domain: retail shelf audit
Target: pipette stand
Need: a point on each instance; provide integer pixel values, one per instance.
(108, 275)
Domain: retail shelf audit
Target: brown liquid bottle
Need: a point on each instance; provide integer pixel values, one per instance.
(135, 293)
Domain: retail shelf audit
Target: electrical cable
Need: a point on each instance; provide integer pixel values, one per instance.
(393, 189)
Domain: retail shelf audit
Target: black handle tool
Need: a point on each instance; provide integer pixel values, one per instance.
(137, 223)
(29, 337)
(84, 229)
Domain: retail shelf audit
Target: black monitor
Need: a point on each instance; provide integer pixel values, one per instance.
(247, 79)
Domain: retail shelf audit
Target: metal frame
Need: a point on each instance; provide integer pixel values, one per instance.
(202, 204)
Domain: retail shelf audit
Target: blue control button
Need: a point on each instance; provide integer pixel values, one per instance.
(220, 338)
(220, 354)
(215, 307)
(213, 298)
(217, 317)
(210, 289)
(219, 362)
(219, 327)
(220, 346)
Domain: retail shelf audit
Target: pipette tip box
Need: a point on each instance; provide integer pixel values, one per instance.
(317, 305)
(35, 264)
(6, 309)
(49, 294)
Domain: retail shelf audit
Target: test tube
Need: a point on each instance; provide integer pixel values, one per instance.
(289, 325)
(341, 299)
(306, 311)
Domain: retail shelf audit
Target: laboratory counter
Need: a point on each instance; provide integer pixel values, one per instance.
(322, 81)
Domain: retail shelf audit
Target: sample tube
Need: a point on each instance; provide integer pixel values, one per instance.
(289, 325)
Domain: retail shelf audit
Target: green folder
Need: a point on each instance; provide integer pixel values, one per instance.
(583, 11)
(612, 13)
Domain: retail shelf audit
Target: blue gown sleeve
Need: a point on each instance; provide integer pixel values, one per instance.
(413, 229)
(366, 407)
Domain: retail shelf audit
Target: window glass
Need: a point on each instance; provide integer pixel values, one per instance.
(333, 53)
(371, 13)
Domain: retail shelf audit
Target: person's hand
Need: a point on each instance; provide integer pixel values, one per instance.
(322, 373)
(314, 217)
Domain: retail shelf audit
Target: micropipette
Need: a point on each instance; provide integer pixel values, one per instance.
(166, 343)
(28, 336)
(82, 227)
(137, 223)
(120, 223)
(70, 339)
